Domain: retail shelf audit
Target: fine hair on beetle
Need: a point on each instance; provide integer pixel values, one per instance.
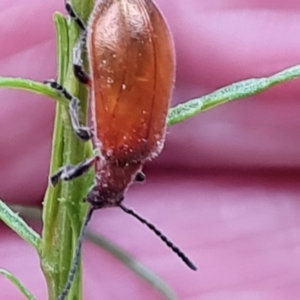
(132, 65)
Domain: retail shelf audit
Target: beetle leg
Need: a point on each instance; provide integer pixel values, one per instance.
(82, 132)
(78, 67)
(69, 172)
(73, 15)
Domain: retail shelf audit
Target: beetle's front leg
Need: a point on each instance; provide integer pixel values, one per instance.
(69, 172)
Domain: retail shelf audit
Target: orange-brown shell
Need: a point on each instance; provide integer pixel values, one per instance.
(131, 62)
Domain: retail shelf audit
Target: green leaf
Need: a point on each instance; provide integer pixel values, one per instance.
(138, 268)
(18, 284)
(31, 86)
(62, 44)
(231, 92)
(18, 225)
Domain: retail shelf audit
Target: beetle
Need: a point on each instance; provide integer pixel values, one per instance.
(132, 65)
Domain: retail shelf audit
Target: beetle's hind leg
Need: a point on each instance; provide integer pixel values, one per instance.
(84, 133)
(78, 67)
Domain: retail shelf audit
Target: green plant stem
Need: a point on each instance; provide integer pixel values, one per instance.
(49, 261)
(51, 207)
(63, 207)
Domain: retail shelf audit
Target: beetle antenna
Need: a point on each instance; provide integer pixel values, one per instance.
(75, 262)
(174, 248)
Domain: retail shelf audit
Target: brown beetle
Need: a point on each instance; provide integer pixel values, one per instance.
(131, 60)
(132, 64)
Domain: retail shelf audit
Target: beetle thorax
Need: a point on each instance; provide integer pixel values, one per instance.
(112, 180)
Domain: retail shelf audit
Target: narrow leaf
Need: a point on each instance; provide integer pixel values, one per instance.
(18, 284)
(231, 92)
(18, 225)
(30, 86)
